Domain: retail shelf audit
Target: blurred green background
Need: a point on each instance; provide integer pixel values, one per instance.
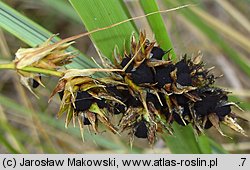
(220, 29)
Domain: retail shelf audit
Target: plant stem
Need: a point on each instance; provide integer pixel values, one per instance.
(11, 66)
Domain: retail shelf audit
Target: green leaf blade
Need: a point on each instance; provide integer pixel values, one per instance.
(183, 140)
(33, 34)
(157, 25)
(112, 12)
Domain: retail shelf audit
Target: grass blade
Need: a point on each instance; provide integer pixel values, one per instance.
(7, 145)
(236, 14)
(157, 25)
(64, 8)
(213, 35)
(111, 12)
(33, 34)
(183, 140)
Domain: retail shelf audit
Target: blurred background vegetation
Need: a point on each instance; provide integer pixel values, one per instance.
(218, 28)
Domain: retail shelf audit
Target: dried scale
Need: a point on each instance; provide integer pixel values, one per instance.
(148, 92)
(45, 56)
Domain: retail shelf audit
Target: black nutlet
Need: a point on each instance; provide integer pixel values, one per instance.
(35, 84)
(141, 130)
(101, 103)
(86, 121)
(61, 93)
(181, 99)
(143, 74)
(157, 53)
(124, 62)
(221, 112)
(184, 79)
(182, 67)
(162, 75)
(115, 92)
(132, 101)
(208, 124)
(185, 113)
(153, 99)
(206, 105)
(119, 108)
(83, 101)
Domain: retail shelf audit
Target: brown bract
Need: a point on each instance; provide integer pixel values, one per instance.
(48, 56)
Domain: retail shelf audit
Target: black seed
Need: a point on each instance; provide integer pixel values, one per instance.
(162, 75)
(119, 108)
(134, 102)
(125, 62)
(35, 84)
(86, 121)
(141, 130)
(224, 98)
(153, 98)
(208, 124)
(181, 99)
(182, 67)
(184, 79)
(101, 103)
(115, 92)
(83, 101)
(223, 111)
(207, 105)
(61, 93)
(143, 74)
(202, 74)
(157, 53)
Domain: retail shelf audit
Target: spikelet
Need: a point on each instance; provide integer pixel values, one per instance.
(149, 92)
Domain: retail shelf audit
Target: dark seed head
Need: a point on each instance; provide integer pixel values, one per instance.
(141, 130)
(181, 99)
(83, 101)
(134, 102)
(208, 125)
(178, 119)
(61, 93)
(162, 75)
(35, 84)
(143, 74)
(153, 98)
(115, 92)
(157, 53)
(101, 103)
(119, 108)
(222, 111)
(207, 105)
(182, 67)
(86, 121)
(125, 62)
(184, 79)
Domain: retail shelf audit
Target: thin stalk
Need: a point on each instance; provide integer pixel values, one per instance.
(11, 66)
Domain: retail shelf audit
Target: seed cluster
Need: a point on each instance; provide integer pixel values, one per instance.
(150, 94)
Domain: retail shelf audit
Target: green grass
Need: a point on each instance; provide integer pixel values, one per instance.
(94, 14)
(33, 34)
(157, 25)
(112, 12)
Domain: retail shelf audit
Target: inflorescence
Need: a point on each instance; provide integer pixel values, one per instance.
(148, 94)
